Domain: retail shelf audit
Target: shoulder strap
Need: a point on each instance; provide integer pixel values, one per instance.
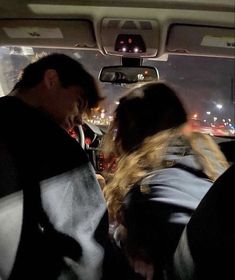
(41, 247)
(198, 173)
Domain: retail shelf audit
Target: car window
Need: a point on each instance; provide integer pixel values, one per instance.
(206, 87)
(205, 84)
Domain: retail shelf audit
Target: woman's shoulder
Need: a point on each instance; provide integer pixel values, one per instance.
(170, 186)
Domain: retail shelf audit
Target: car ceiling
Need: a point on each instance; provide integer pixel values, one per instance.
(212, 13)
(8, 8)
(25, 8)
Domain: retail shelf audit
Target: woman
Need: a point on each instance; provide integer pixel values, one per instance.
(163, 172)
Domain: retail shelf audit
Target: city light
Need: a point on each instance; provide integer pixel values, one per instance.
(208, 113)
(219, 106)
(136, 50)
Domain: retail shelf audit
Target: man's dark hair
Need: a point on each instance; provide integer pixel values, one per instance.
(70, 72)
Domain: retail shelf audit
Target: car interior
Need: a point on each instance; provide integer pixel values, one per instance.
(189, 44)
(186, 43)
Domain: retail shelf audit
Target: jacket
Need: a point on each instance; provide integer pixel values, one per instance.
(158, 207)
(53, 216)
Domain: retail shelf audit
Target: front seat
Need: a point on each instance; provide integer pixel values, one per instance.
(207, 246)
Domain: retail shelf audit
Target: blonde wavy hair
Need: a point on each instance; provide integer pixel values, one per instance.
(150, 156)
(137, 154)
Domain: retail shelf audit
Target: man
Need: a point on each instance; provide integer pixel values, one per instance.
(52, 213)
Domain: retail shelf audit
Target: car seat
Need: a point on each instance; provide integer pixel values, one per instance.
(207, 245)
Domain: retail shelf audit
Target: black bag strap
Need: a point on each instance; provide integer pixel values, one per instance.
(196, 172)
(41, 248)
(144, 188)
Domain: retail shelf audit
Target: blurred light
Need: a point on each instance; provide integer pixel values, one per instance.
(124, 49)
(136, 50)
(219, 106)
(27, 51)
(117, 102)
(208, 113)
(194, 116)
(204, 120)
(140, 77)
(215, 119)
(229, 120)
(96, 109)
(223, 120)
(146, 72)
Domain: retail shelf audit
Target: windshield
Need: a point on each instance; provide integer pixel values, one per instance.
(204, 84)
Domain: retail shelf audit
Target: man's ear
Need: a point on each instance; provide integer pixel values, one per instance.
(51, 79)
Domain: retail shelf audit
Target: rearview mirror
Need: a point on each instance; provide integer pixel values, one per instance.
(128, 74)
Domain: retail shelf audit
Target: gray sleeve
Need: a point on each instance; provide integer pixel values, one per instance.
(75, 205)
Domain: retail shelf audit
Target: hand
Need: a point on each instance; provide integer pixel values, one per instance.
(101, 181)
(119, 235)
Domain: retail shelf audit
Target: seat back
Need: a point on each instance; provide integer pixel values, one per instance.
(207, 246)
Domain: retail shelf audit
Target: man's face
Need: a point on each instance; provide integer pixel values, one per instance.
(65, 105)
(69, 107)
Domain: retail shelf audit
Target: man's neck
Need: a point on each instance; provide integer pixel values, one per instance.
(29, 96)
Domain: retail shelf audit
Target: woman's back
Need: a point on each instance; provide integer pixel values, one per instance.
(156, 210)
(161, 175)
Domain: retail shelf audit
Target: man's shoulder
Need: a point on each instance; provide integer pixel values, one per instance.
(10, 101)
(24, 119)
(34, 137)
(12, 109)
